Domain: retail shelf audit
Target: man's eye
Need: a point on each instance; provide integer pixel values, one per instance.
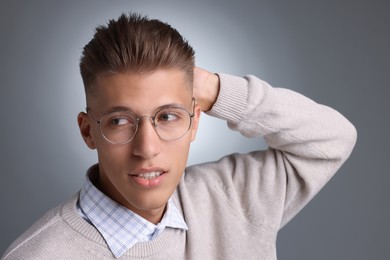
(118, 121)
(167, 117)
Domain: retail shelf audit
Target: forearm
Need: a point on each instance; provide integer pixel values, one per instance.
(287, 120)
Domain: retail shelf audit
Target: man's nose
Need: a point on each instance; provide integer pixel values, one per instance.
(147, 143)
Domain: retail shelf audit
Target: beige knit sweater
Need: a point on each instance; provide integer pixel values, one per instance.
(233, 207)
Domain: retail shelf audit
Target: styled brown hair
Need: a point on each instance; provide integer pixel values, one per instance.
(135, 43)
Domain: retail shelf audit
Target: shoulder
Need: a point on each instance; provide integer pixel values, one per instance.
(229, 175)
(41, 232)
(230, 166)
(234, 179)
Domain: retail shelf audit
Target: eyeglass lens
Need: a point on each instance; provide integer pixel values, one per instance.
(170, 124)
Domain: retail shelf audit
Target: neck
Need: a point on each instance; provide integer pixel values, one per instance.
(153, 216)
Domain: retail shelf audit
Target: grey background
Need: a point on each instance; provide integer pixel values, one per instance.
(335, 52)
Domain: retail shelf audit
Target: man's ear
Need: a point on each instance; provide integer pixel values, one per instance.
(85, 129)
(195, 122)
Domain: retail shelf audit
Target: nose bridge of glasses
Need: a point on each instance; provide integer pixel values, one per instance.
(151, 120)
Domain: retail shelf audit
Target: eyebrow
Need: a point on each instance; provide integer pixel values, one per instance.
(128, 109)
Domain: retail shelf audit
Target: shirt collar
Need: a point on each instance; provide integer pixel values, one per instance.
(120, 227)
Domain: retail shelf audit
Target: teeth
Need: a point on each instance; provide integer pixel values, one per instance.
(149, 175)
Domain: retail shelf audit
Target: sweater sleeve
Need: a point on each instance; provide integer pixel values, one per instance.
(308, 142)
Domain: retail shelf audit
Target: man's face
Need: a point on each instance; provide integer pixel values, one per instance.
(120, 166)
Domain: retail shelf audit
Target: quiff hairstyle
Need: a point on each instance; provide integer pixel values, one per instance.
(136, 44)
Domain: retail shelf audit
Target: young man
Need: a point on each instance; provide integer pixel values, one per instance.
(144, 99)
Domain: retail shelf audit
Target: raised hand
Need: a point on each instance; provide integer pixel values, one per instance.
(206, 88)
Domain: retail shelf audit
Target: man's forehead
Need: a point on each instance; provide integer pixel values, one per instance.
(144, 80)
(140, 90)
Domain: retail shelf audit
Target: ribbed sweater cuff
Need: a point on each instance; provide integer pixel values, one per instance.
(232, 98)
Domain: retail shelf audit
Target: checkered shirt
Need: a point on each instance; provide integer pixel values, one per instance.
(120, 227)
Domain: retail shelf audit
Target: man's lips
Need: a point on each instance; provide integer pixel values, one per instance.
(148, 177)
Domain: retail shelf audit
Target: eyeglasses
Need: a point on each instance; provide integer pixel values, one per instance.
(169, 122)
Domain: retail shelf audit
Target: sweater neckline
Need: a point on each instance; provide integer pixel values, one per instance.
(168, 239)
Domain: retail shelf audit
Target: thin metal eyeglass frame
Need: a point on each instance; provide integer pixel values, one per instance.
(152, 122)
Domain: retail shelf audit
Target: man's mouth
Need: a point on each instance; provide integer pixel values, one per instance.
(149, 175)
